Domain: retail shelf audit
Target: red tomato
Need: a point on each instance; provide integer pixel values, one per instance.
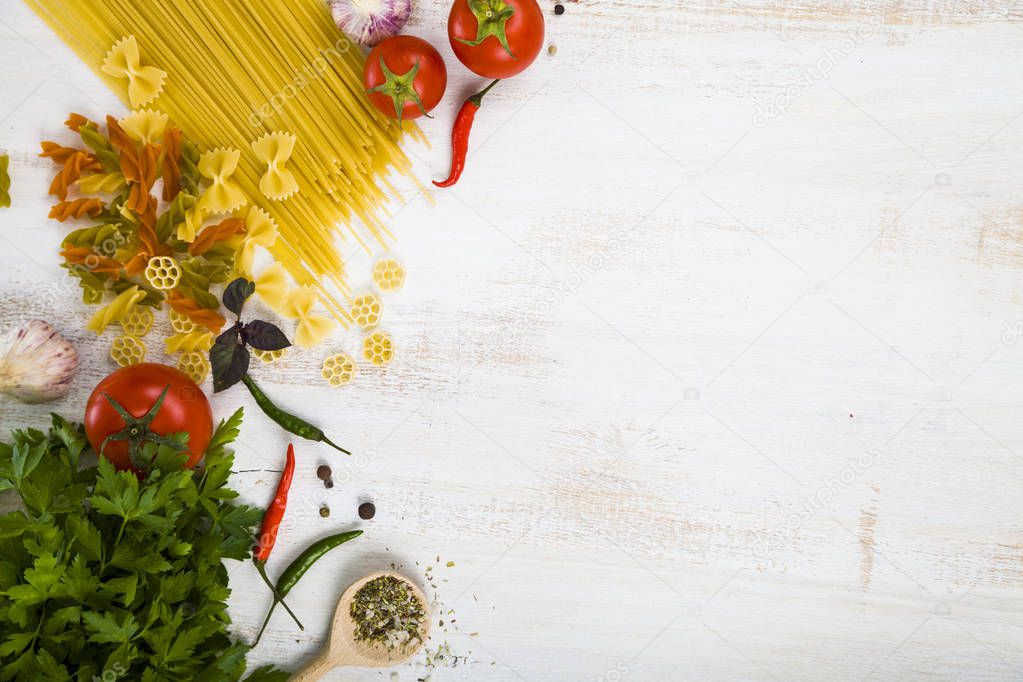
(136, 388)
(405, 77)
(496, 38)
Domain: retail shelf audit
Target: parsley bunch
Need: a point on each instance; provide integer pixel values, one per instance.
(104, 576)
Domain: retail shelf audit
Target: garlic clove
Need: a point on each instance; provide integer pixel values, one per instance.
(368, 22)
(37, 364)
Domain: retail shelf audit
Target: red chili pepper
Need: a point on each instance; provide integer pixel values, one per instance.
(271, 524)
(275, 512)
(460, 135)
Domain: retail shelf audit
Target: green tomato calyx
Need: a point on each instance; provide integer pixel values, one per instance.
(400, 88)
(492, 20)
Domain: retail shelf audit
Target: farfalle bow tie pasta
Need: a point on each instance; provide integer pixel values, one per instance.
(260, 230)
(312, 329)
(223, 195)
(145, 83)
(274, 149)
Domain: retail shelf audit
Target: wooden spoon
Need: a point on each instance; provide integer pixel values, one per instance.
(343, 650)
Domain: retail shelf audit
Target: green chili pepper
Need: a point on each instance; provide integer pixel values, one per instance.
(301, 565)
(286, 420)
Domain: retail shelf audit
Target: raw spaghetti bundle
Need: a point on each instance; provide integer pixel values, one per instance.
(234, 73)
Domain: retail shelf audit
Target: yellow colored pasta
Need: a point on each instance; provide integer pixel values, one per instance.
(274, 149)
(116, 310)
(195, 365)
(145, 83)
(224, 194)
(338, 370)
(163, 273)
(312, 329)
(188, 342)
(378, 349)
(138, 322)
(268, 357)
(145, 126)
(127, 350)
(366, 311)
(389, 275)
(180, 322)
(237, 71)
(260, 231)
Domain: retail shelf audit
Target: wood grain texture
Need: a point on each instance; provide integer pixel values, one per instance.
(709, 368)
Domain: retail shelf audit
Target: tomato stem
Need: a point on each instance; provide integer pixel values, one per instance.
(401, 88)
(136, 431)
(491, 20)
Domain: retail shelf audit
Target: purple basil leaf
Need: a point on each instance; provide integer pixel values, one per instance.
(236, 293)
(264, 336)
(229, 361)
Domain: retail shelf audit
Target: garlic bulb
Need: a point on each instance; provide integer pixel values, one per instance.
(37, 364)
(367, 22)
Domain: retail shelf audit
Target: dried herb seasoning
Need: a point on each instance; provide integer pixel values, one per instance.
(386, 611)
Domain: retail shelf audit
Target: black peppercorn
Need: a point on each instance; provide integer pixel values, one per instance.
(367, 511)
(559, 9)
(323, 472)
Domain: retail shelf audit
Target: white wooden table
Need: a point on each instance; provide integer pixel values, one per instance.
(708, 369)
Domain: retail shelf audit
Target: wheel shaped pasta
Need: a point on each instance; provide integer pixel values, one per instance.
(268, 357)
(378, 349)
(145, 83)
(138, 322)
(163, 273)
(339, 370)
(195, 365)
(274, 149)
(127, 350)
(180, 322)
(389, 274)
(223, 195)
(366, 311)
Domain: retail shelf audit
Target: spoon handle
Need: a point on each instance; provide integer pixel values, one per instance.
(316, 668)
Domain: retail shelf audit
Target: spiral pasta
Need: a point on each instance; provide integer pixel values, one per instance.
(67, 210)
(116, 310)
(188, 342)
(109, 183)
